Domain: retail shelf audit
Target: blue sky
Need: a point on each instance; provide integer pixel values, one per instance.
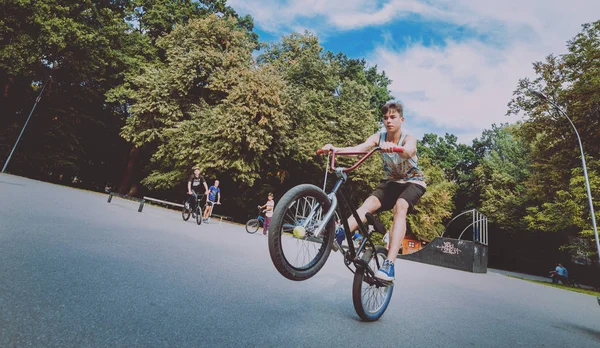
(454, 63)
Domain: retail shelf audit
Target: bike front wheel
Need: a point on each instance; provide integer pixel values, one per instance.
(252, 226)
(297, 250)
(186, 212)
(371, 297)
(199, 214)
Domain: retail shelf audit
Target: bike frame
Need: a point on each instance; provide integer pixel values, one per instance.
(342, 196)
(197, 202)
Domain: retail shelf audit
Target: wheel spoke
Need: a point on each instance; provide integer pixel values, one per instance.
(374, 298)
(302, 252)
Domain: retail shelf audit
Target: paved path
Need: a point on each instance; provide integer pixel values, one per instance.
(76, 271)
(520, 275)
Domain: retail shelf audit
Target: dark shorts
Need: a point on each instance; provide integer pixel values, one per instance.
(389, 192)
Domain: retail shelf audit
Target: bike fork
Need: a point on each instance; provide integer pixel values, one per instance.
(328, 216)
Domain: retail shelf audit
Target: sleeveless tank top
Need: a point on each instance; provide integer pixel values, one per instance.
(399, 169)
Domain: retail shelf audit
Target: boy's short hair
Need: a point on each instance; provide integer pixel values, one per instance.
(395, 105)
(270, 194)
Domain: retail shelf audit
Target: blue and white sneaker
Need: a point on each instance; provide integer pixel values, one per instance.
(339, 238)
(386, 272)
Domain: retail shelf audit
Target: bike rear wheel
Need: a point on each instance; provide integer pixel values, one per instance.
(186, 212)
(300, 254)
(370, 296)
(252, 226)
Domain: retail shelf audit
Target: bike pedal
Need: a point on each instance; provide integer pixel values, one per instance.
(372, 220)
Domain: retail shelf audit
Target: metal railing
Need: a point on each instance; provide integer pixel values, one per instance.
(479, 226)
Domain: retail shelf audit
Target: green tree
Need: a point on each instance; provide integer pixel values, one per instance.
(156, 18)
(83, 46)
(571, 81)
(436, 205)
(502, 177)
(458, 161)
(175, 105)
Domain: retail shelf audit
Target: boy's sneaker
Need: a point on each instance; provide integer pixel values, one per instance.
(187, 205)
(339, 238)
(386, 272)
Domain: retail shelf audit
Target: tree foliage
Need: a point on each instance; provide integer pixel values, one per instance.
(144, 90)
(572, 82)
(82, 47)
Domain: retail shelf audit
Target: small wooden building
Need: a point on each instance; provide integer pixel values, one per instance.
(410, 244)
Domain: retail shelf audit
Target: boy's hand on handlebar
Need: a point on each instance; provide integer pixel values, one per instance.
(387, 146)
(390, 147)
(327, 148)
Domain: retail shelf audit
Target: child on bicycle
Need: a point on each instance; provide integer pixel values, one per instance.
(269, 206)
(214, 197)
(403, 185)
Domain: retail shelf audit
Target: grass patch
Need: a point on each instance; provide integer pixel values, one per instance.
(560, 286)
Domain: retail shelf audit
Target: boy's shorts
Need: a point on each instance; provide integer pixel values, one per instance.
(389, 192)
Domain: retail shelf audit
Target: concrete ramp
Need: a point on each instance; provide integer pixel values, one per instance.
(463, 255)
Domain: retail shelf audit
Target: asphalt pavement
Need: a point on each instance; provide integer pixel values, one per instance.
(76, 271)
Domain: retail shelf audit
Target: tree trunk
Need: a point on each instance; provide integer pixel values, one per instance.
(125, 180)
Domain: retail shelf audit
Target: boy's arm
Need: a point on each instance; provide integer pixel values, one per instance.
(189, 186)
(219, 197)
(370, 143)
(410, 147)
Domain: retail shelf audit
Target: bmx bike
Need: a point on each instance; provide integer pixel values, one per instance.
(311, 213)
(196, 208)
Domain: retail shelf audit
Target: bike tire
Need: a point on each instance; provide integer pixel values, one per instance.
(296, 196)
(252, 226)
(199, 215)
(371, 302)
(186, 213)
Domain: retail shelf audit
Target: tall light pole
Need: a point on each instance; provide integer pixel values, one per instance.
(541, 96)
(37, 100)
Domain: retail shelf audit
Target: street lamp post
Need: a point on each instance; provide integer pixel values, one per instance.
(541, 96)
(37, 100)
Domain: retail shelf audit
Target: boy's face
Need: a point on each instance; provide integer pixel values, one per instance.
(270, 198)
(197, 172)
(392, 121)
(216, 183)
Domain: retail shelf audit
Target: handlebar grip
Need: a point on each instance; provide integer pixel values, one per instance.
(319, 152)
(398, 149)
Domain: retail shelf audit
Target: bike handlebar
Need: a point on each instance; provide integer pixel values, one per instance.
(360, 161)
(395, 149)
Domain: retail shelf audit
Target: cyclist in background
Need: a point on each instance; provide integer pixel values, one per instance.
(269, 207)
(194, 187)
(214, 197)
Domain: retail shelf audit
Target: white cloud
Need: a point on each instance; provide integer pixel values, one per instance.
(462, 86)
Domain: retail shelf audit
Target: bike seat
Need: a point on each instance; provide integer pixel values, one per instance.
(377, 225)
